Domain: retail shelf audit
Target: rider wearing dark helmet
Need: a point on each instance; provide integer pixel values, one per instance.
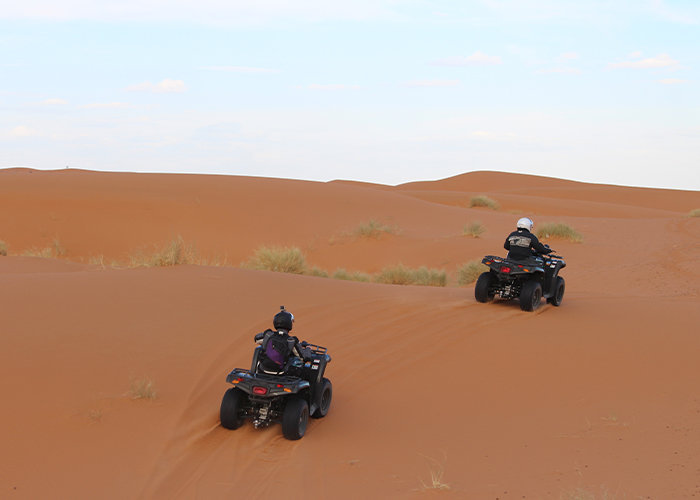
(279, 348)
(522, 244)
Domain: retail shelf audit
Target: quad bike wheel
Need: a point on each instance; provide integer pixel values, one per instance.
(326, 392)
(295, 418)
(558, 296)
(231, 408)
(481, 289)
(530, 295)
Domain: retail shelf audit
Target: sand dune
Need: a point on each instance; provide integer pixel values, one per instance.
(596, 397)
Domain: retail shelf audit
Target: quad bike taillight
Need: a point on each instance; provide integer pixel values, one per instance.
(505, 269)
(261, 391)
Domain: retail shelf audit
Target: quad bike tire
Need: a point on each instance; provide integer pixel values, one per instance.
(295, 418)
(558, 296)
(231, 409)
(481, 289)
(326, 395)
(530, 295)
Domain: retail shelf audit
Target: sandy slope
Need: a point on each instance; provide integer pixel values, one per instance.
(597, 396)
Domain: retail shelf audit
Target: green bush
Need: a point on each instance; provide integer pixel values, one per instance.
(342, 274)
(560, 231)
(279, 259)
(483, 201)
(695, 212)
(3, 248)
(474, 229)
(470, 271)
(402, 275)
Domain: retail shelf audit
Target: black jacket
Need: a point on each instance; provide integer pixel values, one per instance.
(521, 244)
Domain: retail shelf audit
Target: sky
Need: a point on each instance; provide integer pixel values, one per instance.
(386, 91)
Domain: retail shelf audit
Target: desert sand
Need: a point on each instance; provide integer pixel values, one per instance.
(594, 399)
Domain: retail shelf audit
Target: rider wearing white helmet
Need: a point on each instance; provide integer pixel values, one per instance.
(522, 244)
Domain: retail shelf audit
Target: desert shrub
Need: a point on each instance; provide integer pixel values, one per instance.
(560, 231)
(3, 248)
(402, 275)
(143, 388)
(342, 274)
(470, 271)
(97, 261)
(51, 252)
(44, 253)
(174, 253)
(483, 201)
(318, 272)
(57, 249)
(695, 212)
(374, 229)
(279, 259)
(474, 229)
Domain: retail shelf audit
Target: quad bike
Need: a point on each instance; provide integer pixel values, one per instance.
(528, 281)
(300, 390)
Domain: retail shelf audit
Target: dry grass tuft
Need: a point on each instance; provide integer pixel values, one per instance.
(559, 230)
(374, 229)
(143, 388)
(694, 212)
(318, 272)
(3, 248)
(278, 259)
(54, 251)
(470, 271)
(342, 274)
(402, 275)
(483, 201)
(437, 472)
(174, 253)
(95, 415)
(583, 494)
(474, 229)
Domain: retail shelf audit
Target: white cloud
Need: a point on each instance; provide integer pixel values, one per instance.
(688, 14)
(672, 81)
(54, 102)
(163, 87)
(332, 86)
(477, 58)
(660, 61)
(19, 132)
(567, 56)
(106, 105)
(561, 70)
(241, 69)
(432, 83)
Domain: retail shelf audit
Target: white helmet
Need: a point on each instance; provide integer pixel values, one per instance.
(525, 223)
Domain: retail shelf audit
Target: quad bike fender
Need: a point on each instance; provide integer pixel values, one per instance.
(262, 385)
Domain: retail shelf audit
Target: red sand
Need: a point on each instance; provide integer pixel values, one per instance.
(597, 397)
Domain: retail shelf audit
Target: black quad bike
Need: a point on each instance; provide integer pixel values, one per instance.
(290, 397)
(527, 281)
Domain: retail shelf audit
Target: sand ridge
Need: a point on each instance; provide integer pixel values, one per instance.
(594, 397)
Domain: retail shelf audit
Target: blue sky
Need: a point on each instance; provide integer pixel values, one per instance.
(384, 91)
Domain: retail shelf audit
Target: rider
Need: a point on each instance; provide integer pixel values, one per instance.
(278, 346)
(522, 244)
